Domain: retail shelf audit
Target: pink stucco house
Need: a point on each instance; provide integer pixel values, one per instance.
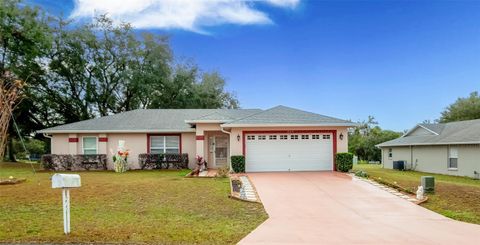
(277, 139)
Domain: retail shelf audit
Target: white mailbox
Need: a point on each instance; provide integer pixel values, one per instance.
(66, 181)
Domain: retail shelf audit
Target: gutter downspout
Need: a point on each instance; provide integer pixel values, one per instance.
(47, 136)
(229, 148)
(411, 157)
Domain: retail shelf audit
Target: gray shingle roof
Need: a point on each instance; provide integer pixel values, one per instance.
(177, 120)
(462, 132)
(146, 120)
(282, 115)
(435, 127)
(226, 115)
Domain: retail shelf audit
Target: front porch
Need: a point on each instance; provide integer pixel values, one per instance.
(216, 149)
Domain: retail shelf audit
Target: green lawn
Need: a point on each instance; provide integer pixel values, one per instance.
(155, 207)
(455, 197)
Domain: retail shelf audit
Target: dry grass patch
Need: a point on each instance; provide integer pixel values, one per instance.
(455, 197)
(156, 207)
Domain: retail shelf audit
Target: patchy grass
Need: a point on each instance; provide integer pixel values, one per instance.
(154, 207)
(455, 197)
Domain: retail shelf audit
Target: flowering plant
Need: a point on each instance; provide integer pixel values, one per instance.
(120, 158)
(201, 162)
(124, 154)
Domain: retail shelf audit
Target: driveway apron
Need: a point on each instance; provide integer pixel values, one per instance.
(334, 208)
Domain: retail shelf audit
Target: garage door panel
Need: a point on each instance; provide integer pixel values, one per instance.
(290, 154)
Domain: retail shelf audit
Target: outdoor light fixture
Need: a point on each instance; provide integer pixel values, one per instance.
(238, 137)
(341, 136)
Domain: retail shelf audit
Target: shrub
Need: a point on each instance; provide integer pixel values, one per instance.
(238, 163)
(361, 173)
(47, 162)
(163, 160)
(344, 161)
(67, 162)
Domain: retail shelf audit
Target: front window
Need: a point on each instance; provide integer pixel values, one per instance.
(164, 144)
(453, 158)
(89, 145)
(390, 153)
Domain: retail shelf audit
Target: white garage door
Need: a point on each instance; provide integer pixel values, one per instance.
(288, 152)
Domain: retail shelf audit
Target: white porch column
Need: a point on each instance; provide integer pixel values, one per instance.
(200, 141)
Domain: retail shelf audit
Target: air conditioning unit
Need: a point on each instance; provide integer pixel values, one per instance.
(399, 165)
(428, 183)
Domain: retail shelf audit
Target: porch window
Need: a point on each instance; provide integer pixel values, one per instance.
(89, 145)
(164, 144)
(390, 153)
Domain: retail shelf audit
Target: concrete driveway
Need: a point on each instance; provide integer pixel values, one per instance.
(333, 208)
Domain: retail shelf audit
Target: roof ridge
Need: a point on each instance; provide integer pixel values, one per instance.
(209, 114)
(262, 111)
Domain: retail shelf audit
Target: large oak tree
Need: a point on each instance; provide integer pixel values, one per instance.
(79, 71)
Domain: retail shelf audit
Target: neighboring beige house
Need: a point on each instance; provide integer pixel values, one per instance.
(277, 139)
(444, 148)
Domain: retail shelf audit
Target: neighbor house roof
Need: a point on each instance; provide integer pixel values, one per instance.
(182, 120)
(286, 116)
(462, 132)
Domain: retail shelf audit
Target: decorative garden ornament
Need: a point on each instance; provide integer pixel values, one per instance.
(420, 193)
(120, 158)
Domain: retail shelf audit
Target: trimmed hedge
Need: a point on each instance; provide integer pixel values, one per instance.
(344, 161)
(163, 160)
(238, 163)
(67, 162)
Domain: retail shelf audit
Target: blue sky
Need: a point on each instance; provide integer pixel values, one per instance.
(400, 61)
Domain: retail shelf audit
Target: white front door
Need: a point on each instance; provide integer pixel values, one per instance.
(219, 150)
(289, 152)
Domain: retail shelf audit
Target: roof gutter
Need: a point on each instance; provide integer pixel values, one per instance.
(442, 143)
(290, 125)
(46, 131)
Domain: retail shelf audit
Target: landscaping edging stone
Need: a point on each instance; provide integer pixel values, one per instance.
(247, 191)
(407, 196)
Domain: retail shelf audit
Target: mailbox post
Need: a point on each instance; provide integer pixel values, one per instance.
(66, 181)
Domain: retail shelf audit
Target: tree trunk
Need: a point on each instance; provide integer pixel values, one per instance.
(11, 151)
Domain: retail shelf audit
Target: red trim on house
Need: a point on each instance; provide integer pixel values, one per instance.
(103, 139)
(179, 141)
(333, 132)
(72, 140)
(200, 137)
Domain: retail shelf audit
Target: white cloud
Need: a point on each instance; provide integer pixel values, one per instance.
(190, 15)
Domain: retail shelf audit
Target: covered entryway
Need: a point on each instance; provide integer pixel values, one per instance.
(218, 149)
(289, 151)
